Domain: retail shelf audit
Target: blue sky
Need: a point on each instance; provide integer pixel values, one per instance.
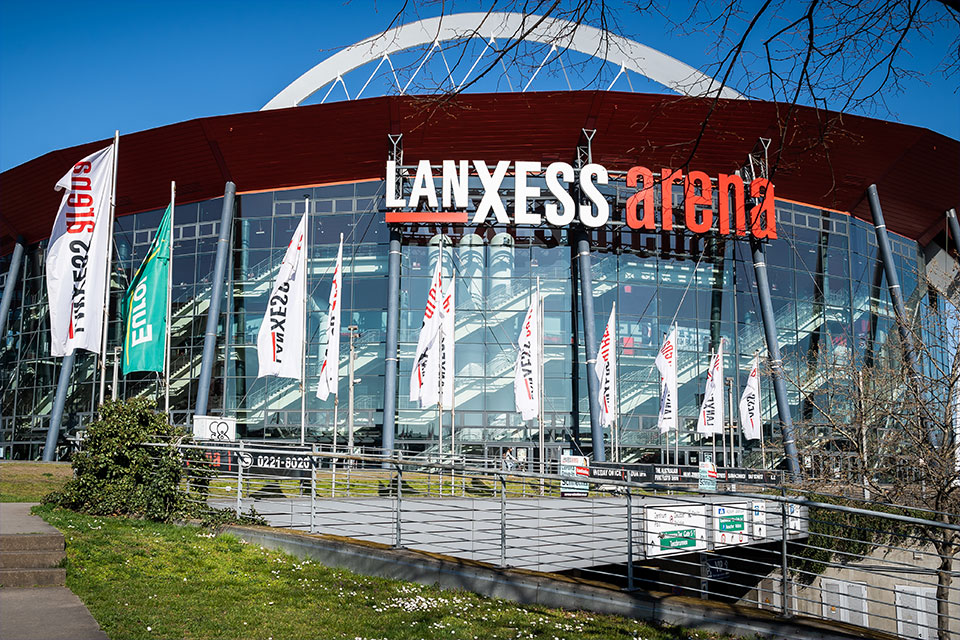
(71, 73)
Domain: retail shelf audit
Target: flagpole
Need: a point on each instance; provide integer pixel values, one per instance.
(676, 451)
(106, 289)
(615, 425)
(540, 381)
(441, 355)
(166, 359)
(453, 385)
(303, 342)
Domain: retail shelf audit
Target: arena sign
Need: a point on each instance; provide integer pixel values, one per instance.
(444, 198)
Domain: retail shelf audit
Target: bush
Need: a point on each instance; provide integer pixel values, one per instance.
(122, 471)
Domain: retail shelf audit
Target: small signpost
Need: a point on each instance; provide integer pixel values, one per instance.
(759, 519)
(708, 475)
(214, 428)
(730, 524)
(574, 467)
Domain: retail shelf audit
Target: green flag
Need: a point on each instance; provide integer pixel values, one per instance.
(145, 307)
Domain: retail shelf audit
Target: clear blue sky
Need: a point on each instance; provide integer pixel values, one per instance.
(73, 72)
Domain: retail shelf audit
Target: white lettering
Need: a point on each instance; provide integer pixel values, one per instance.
(491, 192)
(587, 216)
(456, 184)
(560, 192)
(523, 191)
(423, 185)
(392, 199)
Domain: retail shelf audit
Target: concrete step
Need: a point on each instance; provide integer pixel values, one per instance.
(48, 577)
(31, 542)
(30, 559)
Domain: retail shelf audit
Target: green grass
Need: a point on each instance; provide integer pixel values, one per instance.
(30, 481)
(148, 580)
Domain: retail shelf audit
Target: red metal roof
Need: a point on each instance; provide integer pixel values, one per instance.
(827, 159)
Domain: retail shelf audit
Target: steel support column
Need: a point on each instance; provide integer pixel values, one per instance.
(12, 273)
(56, 416)
(773, 351)
(390, 356)
(213, 312)
(896, 293)
(954, 229)
(590, 344)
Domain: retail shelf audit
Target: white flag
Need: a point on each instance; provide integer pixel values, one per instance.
(750, 403)
(77, 255)
(448, 343)
(425, 377)
(526, 375)
(606, 368)
(711, 410)
(667, 365)
(281, 335)
(330, 369)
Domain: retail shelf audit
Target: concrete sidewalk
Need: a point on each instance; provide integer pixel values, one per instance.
(37, 613)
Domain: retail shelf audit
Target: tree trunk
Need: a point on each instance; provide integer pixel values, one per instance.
(944, 578)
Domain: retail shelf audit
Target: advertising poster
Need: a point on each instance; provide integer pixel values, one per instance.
(675, 529)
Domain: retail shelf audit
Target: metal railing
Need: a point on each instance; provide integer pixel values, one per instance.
(776, 548)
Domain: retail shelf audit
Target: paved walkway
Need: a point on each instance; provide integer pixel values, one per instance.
(40, 613)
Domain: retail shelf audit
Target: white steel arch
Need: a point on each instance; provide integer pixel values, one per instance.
(629, 54)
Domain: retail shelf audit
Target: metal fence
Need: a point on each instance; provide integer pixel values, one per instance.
(874, 566)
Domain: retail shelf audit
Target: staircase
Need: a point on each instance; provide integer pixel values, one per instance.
(30, 551)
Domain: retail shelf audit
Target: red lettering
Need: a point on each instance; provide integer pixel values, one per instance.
(725, 184)
(82, 167)
(667, 178)
(691, 200)
(77, 200)
(80, 184)
(644, 196)
(80, 227)
(763, 220)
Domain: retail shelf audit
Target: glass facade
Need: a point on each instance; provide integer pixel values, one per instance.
(829, 297)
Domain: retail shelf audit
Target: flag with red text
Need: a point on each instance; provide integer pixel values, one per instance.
(710, 421)
(78, 253)
(606, 369)
(526, 374)
(425, 377)
(750, 403)
(281, 335)
(667, 365)
(330, 369)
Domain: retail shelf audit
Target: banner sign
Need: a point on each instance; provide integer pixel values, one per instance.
(668, 473)
(573, 467)
(271, 464)
(214, 428)
(443, 197)
(707, 478)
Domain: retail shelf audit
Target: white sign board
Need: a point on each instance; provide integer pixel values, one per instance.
(675, 529)
(794, 521)
(574, 467)
(730, 524)
(214, 428)
(759, 508)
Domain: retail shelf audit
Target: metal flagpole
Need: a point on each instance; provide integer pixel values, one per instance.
(615, 426)
(336, 407)
(106, 289)
(453, 388)
(303, 342)
(166, 359)
(440, 354)
(540, 381)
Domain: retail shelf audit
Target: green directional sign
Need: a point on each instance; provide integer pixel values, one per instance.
(731, 523)
(678, 539)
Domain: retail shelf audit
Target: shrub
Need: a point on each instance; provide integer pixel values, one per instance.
(121, 470)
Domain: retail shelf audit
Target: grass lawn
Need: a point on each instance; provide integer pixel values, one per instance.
(148, 580)
(30, 481)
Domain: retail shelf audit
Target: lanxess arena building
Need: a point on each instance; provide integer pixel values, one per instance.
(679, 254)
